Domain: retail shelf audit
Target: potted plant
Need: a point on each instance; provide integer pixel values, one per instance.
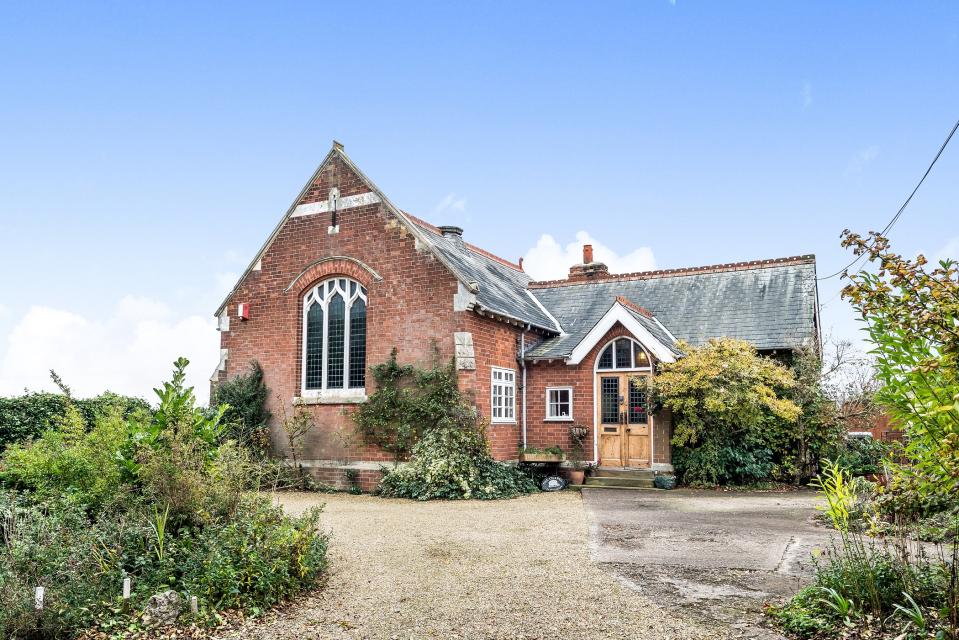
(577, 472)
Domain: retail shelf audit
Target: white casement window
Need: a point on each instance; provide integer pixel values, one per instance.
(504, 395)
(334, 339)
(559, 403)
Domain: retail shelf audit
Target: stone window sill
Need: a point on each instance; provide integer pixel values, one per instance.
(357, 398)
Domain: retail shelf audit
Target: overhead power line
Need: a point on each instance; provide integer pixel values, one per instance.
(895, 218)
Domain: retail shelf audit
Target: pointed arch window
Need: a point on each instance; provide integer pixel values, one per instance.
(334, 339)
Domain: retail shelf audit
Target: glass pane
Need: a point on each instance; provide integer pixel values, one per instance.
(358, 344)
(606, 359)
(609, 399)
(336, 332)
(642, 360)
(314, 347)
(623, 354)
(637, 402)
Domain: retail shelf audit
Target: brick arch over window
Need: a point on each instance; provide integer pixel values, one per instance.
(325, 268)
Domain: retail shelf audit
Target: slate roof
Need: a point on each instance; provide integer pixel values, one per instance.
(659, 332)
(772, 304)
(501, 287)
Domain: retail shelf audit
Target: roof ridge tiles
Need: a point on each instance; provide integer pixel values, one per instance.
(683, 271)
(629, 304)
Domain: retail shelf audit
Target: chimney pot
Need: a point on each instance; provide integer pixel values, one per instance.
(587, 253)
(450, 231)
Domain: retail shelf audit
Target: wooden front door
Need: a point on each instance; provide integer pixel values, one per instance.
(622, 421)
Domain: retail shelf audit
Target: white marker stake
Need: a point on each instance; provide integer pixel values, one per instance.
(194, 609)
(126, 588)
(38, 599)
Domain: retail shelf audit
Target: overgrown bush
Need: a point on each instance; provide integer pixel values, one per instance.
(68, 460)
(860, 456)
(161, 498)
(407, 402)
(732, 419)
(452, 462)
(451, 459)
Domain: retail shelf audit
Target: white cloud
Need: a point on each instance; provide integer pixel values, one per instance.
(451, 202)
(129, 351)
(862, 159)
(806, 95)
(4, 311)
(549, 261)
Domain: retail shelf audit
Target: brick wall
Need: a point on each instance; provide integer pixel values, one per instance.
(410, 307)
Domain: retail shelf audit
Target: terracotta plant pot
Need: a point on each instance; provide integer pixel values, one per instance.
(576, 476)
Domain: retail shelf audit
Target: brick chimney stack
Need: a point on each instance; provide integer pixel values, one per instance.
(589, 270)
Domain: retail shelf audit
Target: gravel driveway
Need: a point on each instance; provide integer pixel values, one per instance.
(502, 569)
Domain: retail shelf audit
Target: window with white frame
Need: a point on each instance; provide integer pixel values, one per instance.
(504, 395)
(334, 338)
(559, 403)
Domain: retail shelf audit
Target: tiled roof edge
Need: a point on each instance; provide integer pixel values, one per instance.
(633, 306)
(471, 247)
(685, 271)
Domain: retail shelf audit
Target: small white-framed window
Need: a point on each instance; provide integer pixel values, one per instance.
(503, 392)
(559, 403)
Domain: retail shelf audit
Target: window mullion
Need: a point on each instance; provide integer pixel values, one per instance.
(326, 333)
(346, 339)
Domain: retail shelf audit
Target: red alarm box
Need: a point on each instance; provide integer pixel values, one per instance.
(243, 311)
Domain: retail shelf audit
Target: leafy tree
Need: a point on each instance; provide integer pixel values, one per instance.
(732, 416)
(912, 318)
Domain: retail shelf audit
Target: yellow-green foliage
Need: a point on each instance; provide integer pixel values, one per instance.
(732, 417)
(724, 382)
(69, 459)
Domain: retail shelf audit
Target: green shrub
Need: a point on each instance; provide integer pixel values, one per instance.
(69, 460)
(733, 420)
(257, 558)
(247, 417)
(407, 402)
(452, 461)
(159, 498)
(30, 415)
(860, 455)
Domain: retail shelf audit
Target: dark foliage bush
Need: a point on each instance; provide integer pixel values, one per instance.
(28, 416)
(859, 455)
(247, 417)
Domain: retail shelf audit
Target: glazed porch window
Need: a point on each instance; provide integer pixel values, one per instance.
(623, 353)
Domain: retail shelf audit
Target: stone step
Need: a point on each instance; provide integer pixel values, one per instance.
(620, 481)
(623, 473)
(600, 487)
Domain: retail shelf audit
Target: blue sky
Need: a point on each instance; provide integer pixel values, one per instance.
(149, 148)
